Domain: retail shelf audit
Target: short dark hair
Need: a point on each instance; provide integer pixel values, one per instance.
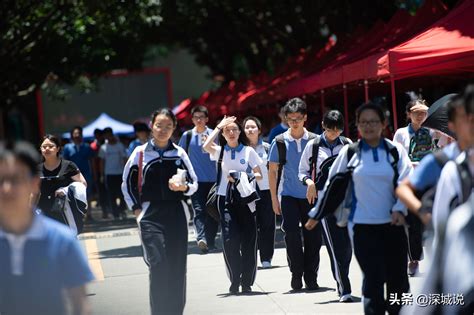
(469, 99)
(23, 152)
(295, 105)
(370, 106)
(108, 130)
(199, 109)
(54, 140)
(98, 131)
(452, 106)
(74, 129)
(164, 111)
(334, 120)
(257, 121)
(140, 126)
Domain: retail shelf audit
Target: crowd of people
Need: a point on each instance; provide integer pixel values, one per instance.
(378, 198)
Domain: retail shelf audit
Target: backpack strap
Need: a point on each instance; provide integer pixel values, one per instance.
(219, 166)
(393, 151)
(189, 135)
(353, 149)
(314, 158)
(344, 140)
(281, 146)
(466, 179)
(441, 158)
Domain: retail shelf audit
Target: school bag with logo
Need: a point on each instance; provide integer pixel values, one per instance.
(421, 144)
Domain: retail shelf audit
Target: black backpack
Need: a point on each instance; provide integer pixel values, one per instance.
(338, 185)
(321, 178)
(189, 135)
(280, 143)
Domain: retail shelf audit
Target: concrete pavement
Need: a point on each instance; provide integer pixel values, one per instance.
(122, 286)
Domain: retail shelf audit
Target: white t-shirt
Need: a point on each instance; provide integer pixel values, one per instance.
(238, 159)
(114, 156)
(262, 153)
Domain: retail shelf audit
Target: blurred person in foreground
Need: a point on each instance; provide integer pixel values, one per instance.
(42, 262)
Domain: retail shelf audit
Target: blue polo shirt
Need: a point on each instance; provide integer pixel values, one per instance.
(80, 155)
(278, 129)
(35, 268)
(294, 149)
(427, 173)
(203, 166)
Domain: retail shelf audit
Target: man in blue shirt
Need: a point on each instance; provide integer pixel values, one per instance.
(40, 258)
(81, 154)
(294, 205)
(280, 128)
(192, 141)
(143, 134)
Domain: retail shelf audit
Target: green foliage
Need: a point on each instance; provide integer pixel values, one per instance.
(62, 40)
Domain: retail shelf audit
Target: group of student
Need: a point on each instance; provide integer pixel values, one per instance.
(350, 188)
(354, 195)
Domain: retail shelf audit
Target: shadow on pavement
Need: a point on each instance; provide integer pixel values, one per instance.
(122, 252)
(103, 225)
(320, 289)
(224, 295)
(355, 299)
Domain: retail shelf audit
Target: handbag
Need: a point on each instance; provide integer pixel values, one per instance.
(211, 202)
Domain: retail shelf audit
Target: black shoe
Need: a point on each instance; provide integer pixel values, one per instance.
(246, 289)
(296, 282)
(312, 286)
(234, 289)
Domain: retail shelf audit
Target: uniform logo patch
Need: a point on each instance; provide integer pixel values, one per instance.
(260, 154)
(242, 161)
(178, 162)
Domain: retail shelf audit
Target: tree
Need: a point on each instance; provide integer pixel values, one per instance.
(239, 38)
(64, 40)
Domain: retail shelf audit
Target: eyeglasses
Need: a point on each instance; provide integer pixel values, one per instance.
(48, 146)
(370, 123)
(199, 117)
(296, 120)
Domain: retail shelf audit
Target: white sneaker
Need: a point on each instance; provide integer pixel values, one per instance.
(203, 246)
(346, 298)
(266, 264)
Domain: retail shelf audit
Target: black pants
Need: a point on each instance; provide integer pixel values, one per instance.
(206, 227)
(339, 248)
(164, 235)
(239, 238)
(113, 184)
(265, 226)
(381, 250)
(415, 237)
(301, 261)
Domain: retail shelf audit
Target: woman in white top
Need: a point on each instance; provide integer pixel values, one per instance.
(376, 215)
(417, 112)
(239, 230)
(265, 215)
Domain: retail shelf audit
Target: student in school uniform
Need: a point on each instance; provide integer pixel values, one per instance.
(326, 148)
(156, 198)
(303, 257)
(265, 215)
(377, 217)
(191, 141)
(239, 229)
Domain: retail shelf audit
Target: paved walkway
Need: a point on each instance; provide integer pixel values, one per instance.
(122, 286)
